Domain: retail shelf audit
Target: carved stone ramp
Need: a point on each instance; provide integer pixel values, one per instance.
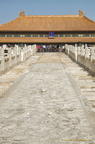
(44, 107)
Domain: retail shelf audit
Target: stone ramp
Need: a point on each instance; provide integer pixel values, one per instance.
(44, 108)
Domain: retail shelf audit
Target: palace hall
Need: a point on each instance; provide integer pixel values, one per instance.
(48, 29)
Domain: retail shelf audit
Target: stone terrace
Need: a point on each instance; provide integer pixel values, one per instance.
(46, 102)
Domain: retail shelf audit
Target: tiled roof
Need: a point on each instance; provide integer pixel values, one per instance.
(46, 40)
(49, 23)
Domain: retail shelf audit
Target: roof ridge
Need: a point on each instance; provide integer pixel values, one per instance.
(51, 15)
(89, 19)
(9, 22)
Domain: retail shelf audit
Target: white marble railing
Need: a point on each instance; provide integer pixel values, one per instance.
(11, 56)
(82, 55)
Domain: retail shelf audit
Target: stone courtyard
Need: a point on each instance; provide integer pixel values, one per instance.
(43, 101)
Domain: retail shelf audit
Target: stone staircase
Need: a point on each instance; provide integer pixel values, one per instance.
(10, 77)
(84, 79)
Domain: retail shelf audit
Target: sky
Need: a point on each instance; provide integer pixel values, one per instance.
(10, 9)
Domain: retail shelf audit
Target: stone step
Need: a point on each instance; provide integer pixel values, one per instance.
(89, 90)
(90, 97)
(89, 93)
(86, 77)
(87, 86)
(92, 103)
(87, 80)
(79, 74)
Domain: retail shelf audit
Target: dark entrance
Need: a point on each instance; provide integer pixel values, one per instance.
(49, 48)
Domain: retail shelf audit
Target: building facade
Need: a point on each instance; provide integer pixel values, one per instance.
(51, 29)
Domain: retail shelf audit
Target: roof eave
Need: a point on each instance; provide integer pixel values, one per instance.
(47, 30)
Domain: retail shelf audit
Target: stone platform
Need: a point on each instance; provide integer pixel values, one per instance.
(45, 105)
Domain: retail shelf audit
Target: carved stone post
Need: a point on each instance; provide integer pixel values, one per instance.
(76, 53)
(85, 45)
(22, 54)
(93, 55)
(2, 59)
(66, 49)
(82, 51)
(76, 45)
(87, 53)
(10, 56)
(78, 50)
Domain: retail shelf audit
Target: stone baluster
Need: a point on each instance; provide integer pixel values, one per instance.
(73, 49)
(78, 50)
(26, 52)
(29, 50)
(32, 49)
(18, 53)
(82, 46)
(15, 53)
(22, 54)
(82, 51)
(13, 57)
(12, 51)
(2, 59)
(6, 57)
(87, 53)
(93, 54)
(67, 49)
(85, 46)
(16, 49)
(70, 50)
(5, 48)
(76, 53)
(10, 56)
(76, 45)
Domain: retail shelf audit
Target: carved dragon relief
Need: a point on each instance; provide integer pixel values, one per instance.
(22, 13)
(81, 13)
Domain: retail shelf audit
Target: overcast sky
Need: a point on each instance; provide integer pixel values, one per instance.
(10, 9)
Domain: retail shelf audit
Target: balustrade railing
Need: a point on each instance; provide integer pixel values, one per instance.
(11, 56)
(82, 55)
